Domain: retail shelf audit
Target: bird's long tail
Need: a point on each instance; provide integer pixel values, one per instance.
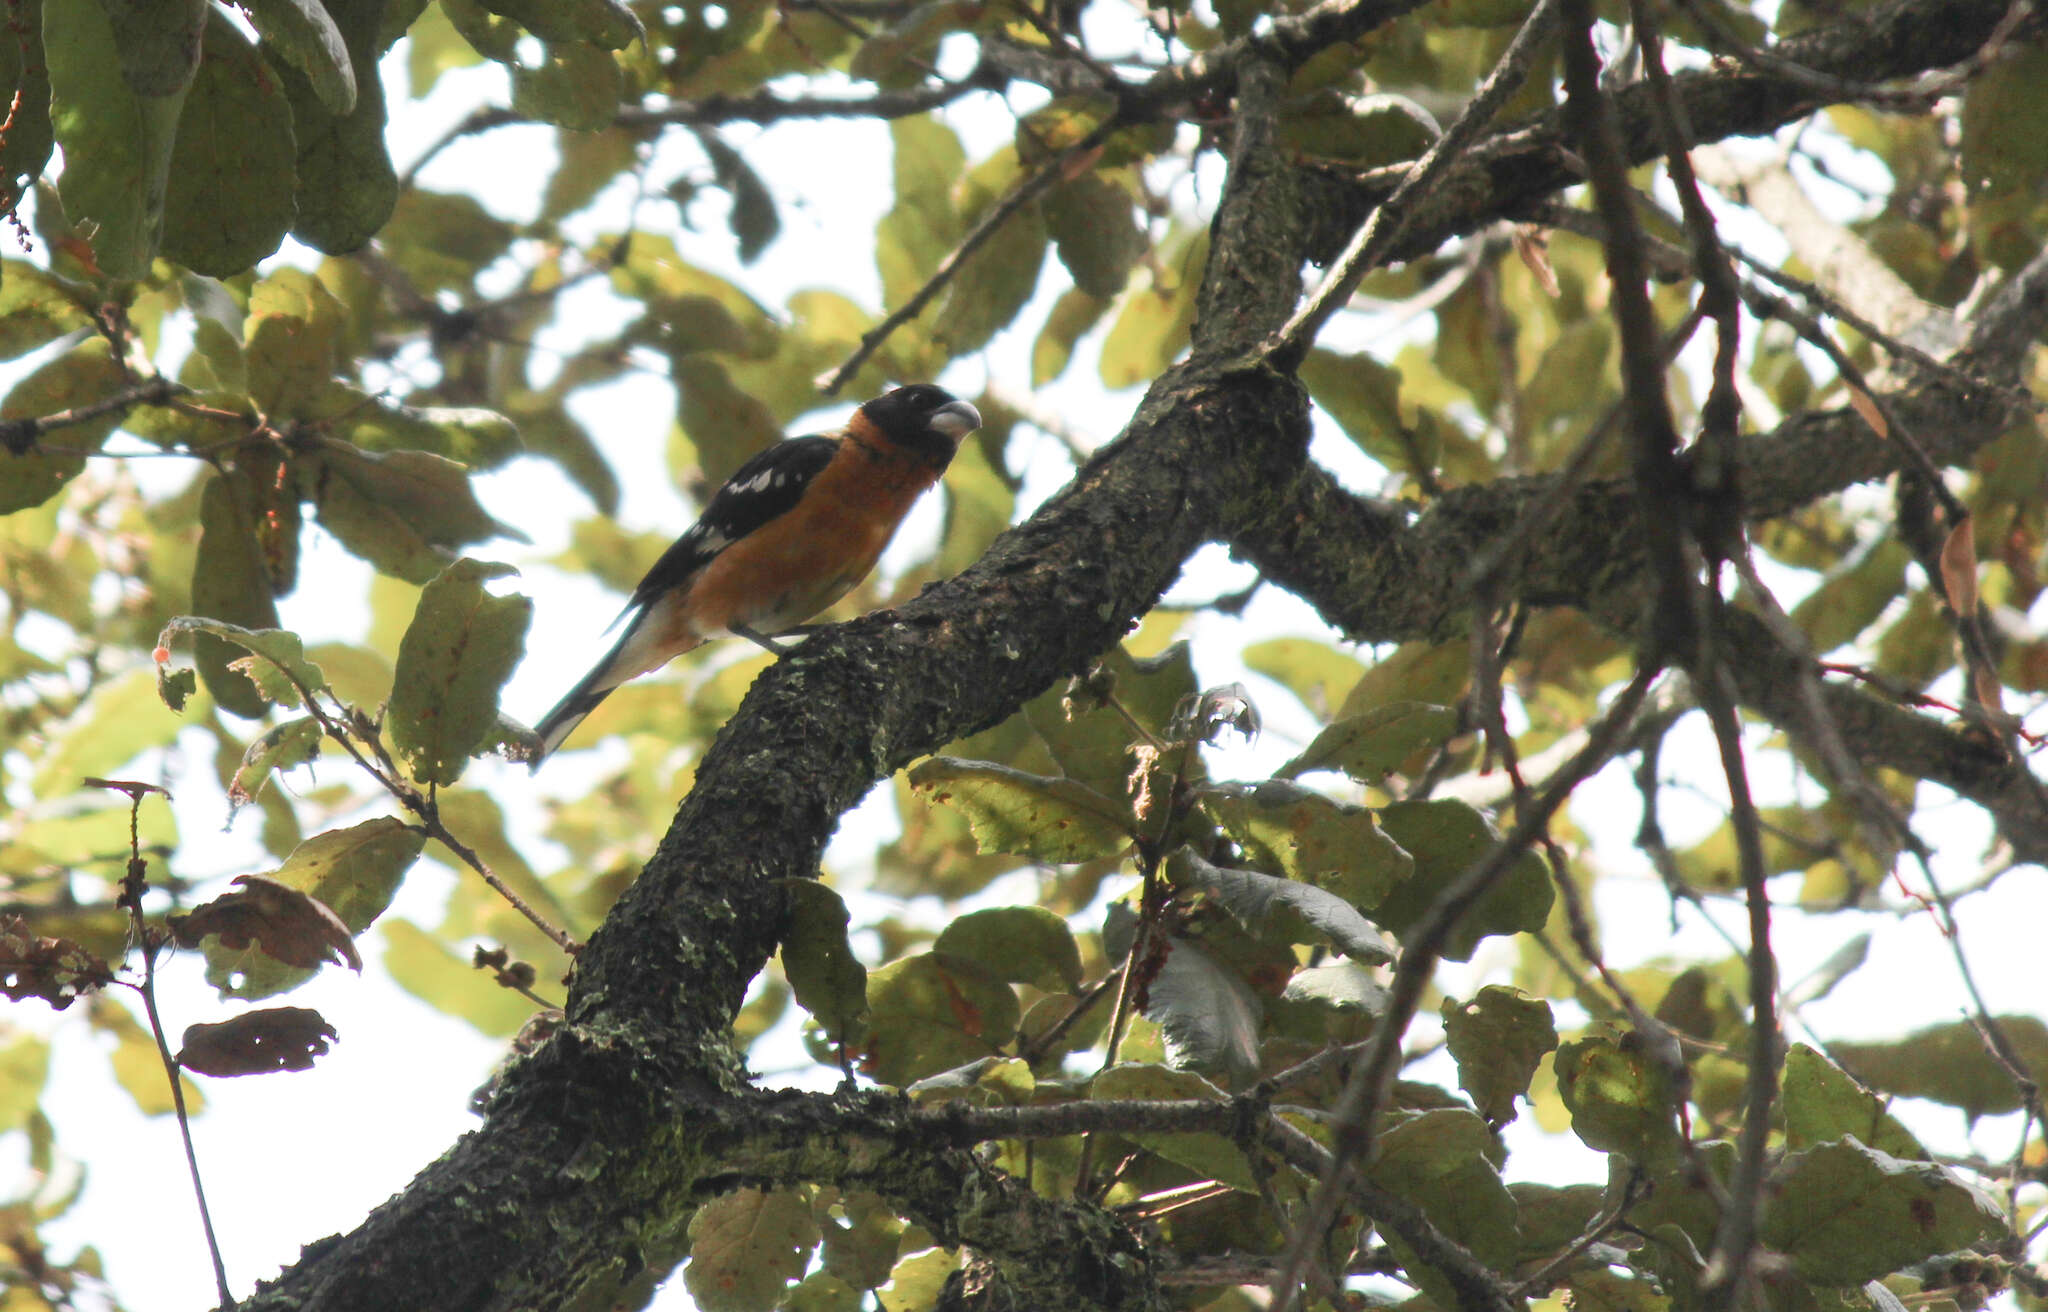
(647, 644)
(581, 700)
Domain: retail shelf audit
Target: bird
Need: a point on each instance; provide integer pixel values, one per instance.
(790, 532)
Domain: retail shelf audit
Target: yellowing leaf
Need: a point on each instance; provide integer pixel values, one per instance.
(746, 1247)
(462, 645)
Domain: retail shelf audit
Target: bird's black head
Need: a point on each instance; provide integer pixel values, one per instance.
(926, 419)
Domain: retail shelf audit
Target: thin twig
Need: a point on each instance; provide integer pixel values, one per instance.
(998, 214)
(1370, 244)
(1735, 1238)
(18, 436)
(133, 887)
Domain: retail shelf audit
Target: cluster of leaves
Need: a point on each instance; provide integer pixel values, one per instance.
(1243, 954)
(362, 396)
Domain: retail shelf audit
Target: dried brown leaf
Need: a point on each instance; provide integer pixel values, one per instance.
(291, 926)
(258, 1042)
(1865, 405)
(54, 969)
(1959, 566)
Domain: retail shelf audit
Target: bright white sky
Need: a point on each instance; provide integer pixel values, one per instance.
(290, 1158)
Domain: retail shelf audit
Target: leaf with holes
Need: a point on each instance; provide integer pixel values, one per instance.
(1026, 815)
(258, 1042)
(461, 646)
(353, 872)
(928, 1014)
(1498, 1039)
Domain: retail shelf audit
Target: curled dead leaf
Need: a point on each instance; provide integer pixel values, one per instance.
(283, 922)
(1959, 566)
(258, 1042)
(54, 969)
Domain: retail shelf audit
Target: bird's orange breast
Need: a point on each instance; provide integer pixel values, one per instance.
(799, 563)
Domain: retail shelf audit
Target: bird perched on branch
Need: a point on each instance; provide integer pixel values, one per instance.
(787, 535)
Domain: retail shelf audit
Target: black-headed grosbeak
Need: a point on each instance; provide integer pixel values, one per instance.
(787, 535)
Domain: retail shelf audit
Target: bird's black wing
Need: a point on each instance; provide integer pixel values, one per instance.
(764, 487)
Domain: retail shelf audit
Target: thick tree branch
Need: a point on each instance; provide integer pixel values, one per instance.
(1512, 169)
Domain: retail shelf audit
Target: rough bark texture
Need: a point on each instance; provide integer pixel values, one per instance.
(577, 1189)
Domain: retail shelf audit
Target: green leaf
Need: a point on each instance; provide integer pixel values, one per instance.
(1316, 672)
(85, 374)
(1498, 1039)
(928, 1014)
(1850, 599)
(1208, 1015)
(136, 1064)
(725, 423)
(993, 285)
(861, 1252)
(1294, 911)
(424, 966)
(1284, 829)
(1072, 315)
(302, 33)
(1153, 327)
(1340, 986)
(293, 339)
(1090, 739)
(915, 1282)
(354, 871)
(1845, 1213)
(605, 23)
(978, 506)
(1950, 1064)
(233, 170)
(1027, 815)
(282, 747)
(1364, 397)
(279, 652)
(1092, 223)
(1824, 1105)
(922, 227)
(746, 1247)
(1024, 945)
(441, 241)
(1445, 1162)
(1430, 672)
(1447, 838)
(462, 645)
(1371, 746)
(120, 720)
(1621, 1098)
(403, 511)
(828, 980)
(347, 187)
(753, 218)
(1208, 1155)
(2001, 153)
(25, 83)
(987, 1082)
(117, 144)
(24, 1069)
(230, 584)
(577, 85)
(478, 438)
(159, 43)
(37, 306)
